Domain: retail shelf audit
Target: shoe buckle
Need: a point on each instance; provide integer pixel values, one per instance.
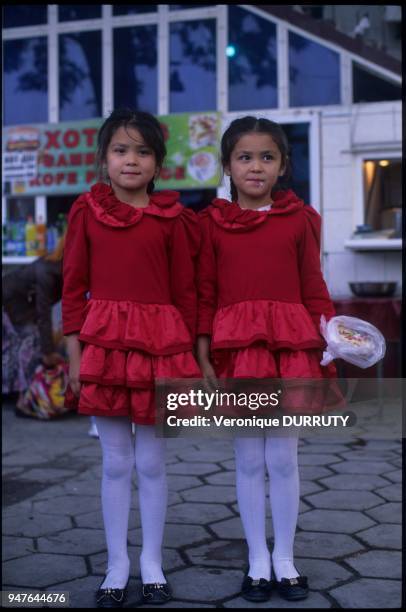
(294, 581)
(255, 582)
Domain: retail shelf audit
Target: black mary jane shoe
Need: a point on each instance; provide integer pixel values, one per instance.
(111, 598)
(292, 589)
(256, 590)
(156, 593)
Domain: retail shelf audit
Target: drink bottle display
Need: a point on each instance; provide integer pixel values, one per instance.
(30, 237)
(19, 237)
(52, 238)
(41, 237)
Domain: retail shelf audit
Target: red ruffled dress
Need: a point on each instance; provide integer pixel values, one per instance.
(261, 290)
(129, 291)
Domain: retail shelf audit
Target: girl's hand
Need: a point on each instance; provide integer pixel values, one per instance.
(203, 352)
(74, 354)
(209, 374)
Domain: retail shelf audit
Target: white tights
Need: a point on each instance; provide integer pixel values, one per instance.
(279, 454)
(119, 458)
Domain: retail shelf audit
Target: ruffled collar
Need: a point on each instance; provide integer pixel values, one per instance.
(230, 216)
(109, 210)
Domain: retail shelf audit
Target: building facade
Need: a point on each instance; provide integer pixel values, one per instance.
(338, 100)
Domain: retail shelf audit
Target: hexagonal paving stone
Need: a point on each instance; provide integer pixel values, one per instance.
(325, 545)
(361, 467)
(83, 487)
(322, 574)
(382, 536)
(49, 493)
(336, 521)
(189, 468)
(82, 591)
(377, 564)
(314, 472)
(369, 593)
(173, 498)
(22, 459)
(22, 507)
(367, 455)
(353, 482)
(391, 492)
(390, 512)
(16, 547)
(94, 520)
(211, 494)
(41, 570)
(68, 504)
(351, 500)
(34, 525)
(395, 476)
(221, 478)
(177, 482)
(224, 554)
(74, 542)
(171, 561)
(204, 584)
(314, 601)
(318, 459)
(229, 464)
(307, 487)
(321, 448)
(175, 536)
(206, 456)
(232, 529)
(48, 475)
(197, 513)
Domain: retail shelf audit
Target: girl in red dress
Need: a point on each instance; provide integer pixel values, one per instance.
(129, 314)
(261, 295)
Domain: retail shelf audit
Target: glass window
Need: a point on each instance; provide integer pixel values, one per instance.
(369, 87)
(25, 81)
(18, 15)
(298, 138)
(314, 73)
(193, 66)
(252, 56)
(71, 12)
(136, 78)
(80, 75)
(383, 195)
(179, 7)
(124, 9)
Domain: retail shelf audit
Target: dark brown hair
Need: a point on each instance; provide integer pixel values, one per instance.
(245, 125)
(147, 125)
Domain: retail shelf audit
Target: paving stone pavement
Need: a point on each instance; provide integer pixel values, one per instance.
(348, 539)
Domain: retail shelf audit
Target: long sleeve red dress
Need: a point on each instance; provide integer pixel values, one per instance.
(261, 289)
(129, 292)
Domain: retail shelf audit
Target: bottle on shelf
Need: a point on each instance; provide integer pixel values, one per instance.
(61, 223)
(20, 246)
(30, 237)
(52, 238)
(12, 239)
(41, 237)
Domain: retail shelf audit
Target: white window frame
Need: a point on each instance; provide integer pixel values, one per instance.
(359, 193)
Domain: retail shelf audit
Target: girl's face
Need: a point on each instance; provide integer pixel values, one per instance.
(255, 166)
(131, 164)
